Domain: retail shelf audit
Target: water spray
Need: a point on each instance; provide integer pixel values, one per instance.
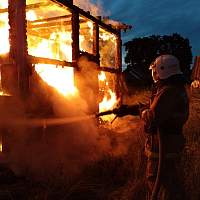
(45, 122)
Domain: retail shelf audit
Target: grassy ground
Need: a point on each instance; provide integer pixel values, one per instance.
(119, 173)
(190, 160)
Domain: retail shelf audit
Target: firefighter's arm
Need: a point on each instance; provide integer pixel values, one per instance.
(134, 109)
(163, 108)
(158, 113)
(148, 117)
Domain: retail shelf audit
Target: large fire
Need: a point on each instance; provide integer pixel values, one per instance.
(57, 45)
(61, 78)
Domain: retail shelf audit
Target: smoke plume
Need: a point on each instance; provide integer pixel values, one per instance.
(42, 151)
(87, 5)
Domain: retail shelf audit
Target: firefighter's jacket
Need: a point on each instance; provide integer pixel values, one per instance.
(167, 113)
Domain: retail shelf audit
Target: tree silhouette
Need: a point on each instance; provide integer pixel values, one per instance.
(140, 52)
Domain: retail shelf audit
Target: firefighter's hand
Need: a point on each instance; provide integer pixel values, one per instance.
(147, 115)
(121, 111)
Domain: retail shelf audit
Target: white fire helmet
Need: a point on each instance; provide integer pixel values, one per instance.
(166, 66)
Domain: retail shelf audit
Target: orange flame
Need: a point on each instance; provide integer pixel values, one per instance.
(60, 78)
(4, 29)
(4, 38)
(56, 76)
(109, 100)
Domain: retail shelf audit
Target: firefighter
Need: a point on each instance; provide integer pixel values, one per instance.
(163, 124)
(163, 118)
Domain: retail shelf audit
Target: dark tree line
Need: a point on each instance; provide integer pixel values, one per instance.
(140, 52)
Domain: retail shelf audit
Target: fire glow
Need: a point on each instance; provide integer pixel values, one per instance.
(57, 44)
(109, 100)
(61, 78)
(4, 30)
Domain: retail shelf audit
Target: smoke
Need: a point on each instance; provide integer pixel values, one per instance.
(44, 151)
(112, 22)
(116, 24)
(87, 5)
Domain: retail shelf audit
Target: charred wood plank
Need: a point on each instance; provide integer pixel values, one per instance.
(18, 45)
(118, 64)
(50, 24)
(96, 42)
(87, 15)
(40, 60)
(30, 6)
(50, 19)
(37, 5)
(75, 36)
(111, 70)
(47, 25)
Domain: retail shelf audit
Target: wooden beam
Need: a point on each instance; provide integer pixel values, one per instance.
(118, 65)
(40, 60)
(29, 7)
(37, 5)
(118, 53)
(75, 36)
(50, 24)
(18, 46)
(96, 42)
(50, 19)
(71, 7)
(87, 15)
(111, 70)
(3, 10)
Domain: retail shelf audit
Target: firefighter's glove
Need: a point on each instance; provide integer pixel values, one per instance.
(121, 111)
(147, 115)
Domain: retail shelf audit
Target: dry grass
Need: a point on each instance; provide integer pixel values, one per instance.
(191, 157)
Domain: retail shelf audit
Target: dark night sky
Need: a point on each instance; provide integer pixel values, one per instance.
(162, 17)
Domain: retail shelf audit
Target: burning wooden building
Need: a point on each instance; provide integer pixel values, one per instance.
(48, 38)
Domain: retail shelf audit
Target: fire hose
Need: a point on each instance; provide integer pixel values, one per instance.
(123, 110)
